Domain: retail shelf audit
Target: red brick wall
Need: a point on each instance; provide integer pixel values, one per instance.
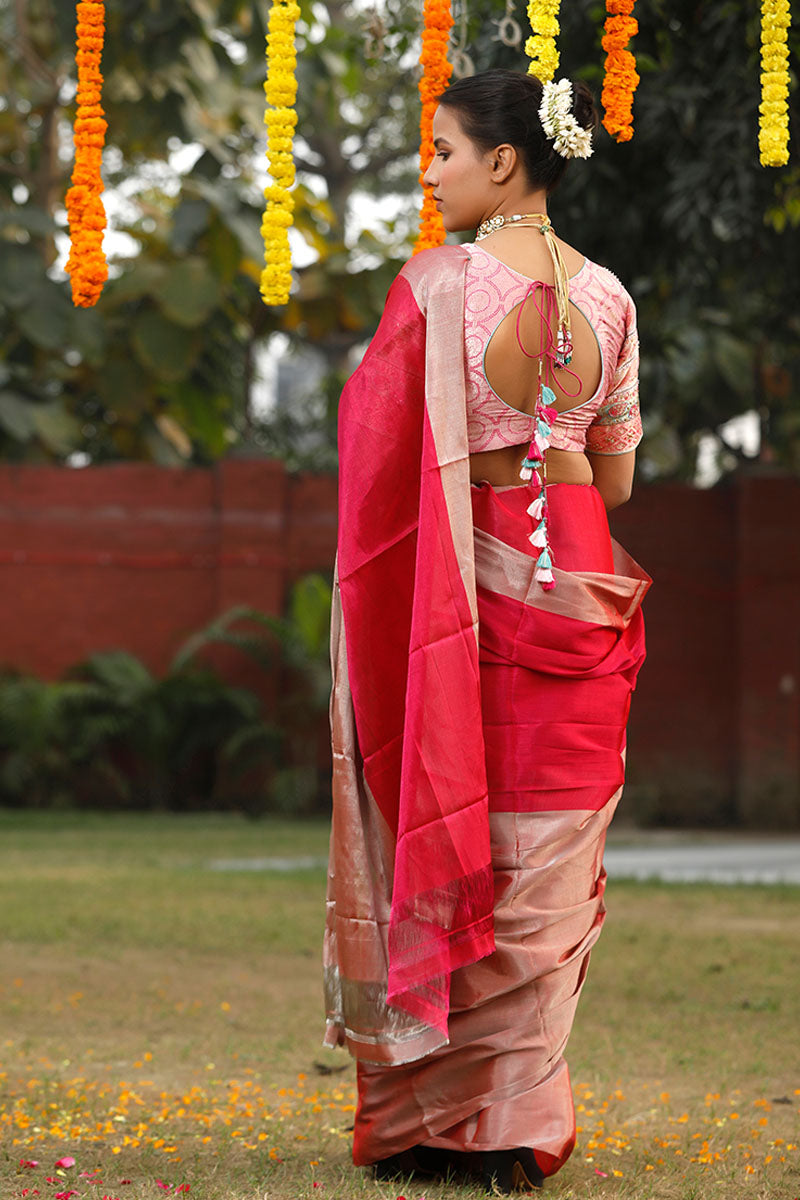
(714, 733)
(138, 556)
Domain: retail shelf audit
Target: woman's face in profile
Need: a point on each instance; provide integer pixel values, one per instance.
(459, 174)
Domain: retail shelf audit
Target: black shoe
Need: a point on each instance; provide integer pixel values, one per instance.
(424, 1161)
(507, 1171)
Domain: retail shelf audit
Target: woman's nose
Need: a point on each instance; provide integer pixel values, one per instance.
(429, 178)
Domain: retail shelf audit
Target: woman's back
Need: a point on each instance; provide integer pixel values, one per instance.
(510, 343)
(512, 354)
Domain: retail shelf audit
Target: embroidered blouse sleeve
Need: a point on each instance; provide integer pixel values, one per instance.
(617, 428)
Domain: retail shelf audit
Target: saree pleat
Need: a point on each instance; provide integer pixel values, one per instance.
(557, 669)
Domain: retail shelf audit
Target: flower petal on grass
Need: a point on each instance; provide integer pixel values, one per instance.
(65, 1163)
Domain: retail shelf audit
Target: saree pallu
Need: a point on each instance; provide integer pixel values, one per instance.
(556, 673)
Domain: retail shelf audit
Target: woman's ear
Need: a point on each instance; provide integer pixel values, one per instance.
(502, 161)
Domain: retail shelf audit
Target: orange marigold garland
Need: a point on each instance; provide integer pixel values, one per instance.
(620, 79)
(436, 71)
(86, 264)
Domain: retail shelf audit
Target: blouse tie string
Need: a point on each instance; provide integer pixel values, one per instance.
(555, 354)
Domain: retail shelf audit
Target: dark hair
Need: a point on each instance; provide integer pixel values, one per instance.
(503, 106)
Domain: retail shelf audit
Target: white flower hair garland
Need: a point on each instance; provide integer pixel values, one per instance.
(570, 139)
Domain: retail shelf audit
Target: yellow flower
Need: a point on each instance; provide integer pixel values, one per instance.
(773, 132)
(541, 46)
(280, 118)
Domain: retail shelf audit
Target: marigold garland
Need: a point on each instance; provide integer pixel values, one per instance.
(620, 79)
(86, 264)
(280, 119)
(436, 71)
(541, 45)
(773, 131)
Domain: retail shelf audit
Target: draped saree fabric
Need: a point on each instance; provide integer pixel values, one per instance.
(407, 589)
(478, 727)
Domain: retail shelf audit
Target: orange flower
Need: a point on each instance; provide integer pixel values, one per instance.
(620, 79)
(436, 71)
(86, 265)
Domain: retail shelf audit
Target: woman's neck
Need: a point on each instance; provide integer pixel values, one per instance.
(527, 202)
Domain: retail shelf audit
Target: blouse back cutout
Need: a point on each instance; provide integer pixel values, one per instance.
(608, 422)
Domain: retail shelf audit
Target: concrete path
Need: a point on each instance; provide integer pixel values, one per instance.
(703, 857)
(667, 855)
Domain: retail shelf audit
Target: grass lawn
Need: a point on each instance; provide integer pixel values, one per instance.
(161, 1019)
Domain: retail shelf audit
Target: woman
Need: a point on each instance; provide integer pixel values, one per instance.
(486, 639)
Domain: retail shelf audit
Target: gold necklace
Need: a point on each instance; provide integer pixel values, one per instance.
(492, 224)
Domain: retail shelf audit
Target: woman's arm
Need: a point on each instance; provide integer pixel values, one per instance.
(613, 476)
(616, 431)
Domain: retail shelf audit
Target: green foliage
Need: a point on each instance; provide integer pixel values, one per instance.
(298, 643)
(698, 231)
(48, 735)
(164, 367)
(113, 735)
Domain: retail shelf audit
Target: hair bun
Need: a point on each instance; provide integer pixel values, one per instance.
(499, 106)
(583, 106)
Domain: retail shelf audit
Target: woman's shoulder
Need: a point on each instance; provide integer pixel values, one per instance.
(605, 279)
(436, 267)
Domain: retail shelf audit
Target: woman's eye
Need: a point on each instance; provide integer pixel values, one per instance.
(443, 154)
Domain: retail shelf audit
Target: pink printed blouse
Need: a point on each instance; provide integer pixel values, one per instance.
(608, 422)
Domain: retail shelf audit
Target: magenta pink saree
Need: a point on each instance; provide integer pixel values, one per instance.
(478, 728)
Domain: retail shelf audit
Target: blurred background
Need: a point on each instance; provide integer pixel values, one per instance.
(168, 458)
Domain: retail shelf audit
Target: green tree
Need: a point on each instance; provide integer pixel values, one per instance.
(164, 367)
(699, 232)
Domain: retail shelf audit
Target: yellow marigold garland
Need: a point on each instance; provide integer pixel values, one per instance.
(436, 71)
(541, 45)
(86, 264)
(280, 120)
(773, 131)
(620, 79)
